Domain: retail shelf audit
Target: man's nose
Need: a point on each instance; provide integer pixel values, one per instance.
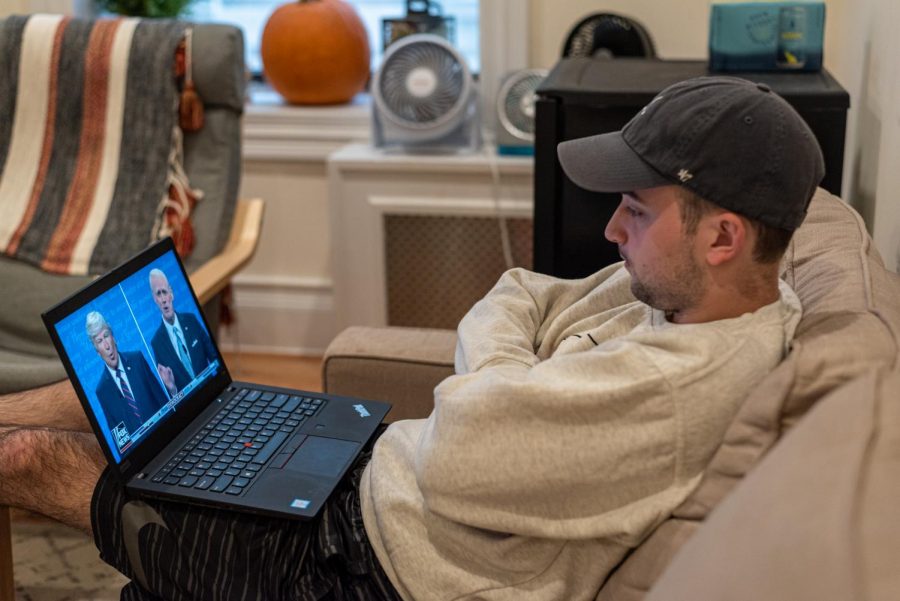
(614, 231)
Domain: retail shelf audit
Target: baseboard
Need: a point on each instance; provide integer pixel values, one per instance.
(268, 349)
(281, 315)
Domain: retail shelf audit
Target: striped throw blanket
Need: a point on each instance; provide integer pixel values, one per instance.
(90, 149)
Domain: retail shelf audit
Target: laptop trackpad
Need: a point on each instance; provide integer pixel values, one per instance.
(322, 456)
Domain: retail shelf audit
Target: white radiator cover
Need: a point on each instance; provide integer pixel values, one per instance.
(415, 239)
(438, 266)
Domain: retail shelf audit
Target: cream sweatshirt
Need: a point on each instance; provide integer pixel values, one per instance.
(579, 418)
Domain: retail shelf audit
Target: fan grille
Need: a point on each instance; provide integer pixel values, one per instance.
(518, 104)
(608, 35)
(425, 104)
(438, 266)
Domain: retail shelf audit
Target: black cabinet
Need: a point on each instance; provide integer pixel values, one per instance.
(583, 96)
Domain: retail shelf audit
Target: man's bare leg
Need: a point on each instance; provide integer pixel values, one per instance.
(54, 406)
(52, 472)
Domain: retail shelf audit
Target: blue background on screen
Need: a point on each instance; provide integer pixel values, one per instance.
(137, 289)
(133, 328)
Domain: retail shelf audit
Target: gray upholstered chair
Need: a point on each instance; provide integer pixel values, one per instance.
(226, 234)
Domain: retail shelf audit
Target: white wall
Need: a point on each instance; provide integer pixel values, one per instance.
(284, 296)
(13, 7)
(679, 28)
(867, 63)
(19, 7)
(296, 218)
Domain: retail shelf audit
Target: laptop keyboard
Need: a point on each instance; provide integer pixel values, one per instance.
(227, 454)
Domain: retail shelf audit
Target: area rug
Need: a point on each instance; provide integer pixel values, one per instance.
(53, 562)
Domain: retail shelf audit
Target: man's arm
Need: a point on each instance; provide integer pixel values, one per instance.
(511, 322)
(574, 447)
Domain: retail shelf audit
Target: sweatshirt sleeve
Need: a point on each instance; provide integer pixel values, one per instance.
(509, 323)
(578, 446)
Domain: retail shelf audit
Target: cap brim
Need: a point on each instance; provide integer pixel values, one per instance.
(605, 163)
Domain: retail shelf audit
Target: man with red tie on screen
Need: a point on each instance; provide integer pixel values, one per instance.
(128, 391)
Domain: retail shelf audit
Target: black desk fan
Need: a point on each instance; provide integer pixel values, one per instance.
(608, 35)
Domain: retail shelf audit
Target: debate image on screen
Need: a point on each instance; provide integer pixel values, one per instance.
(138, 350)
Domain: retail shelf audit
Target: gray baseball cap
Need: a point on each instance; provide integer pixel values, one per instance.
(733, 142)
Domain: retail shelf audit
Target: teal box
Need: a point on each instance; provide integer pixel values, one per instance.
(766, 36)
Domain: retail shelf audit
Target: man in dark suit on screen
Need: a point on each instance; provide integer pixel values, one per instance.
(180, 344)
(128, 391)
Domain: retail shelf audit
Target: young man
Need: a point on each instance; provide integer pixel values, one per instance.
(582, 413)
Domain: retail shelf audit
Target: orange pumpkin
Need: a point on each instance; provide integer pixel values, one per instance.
(316, 52)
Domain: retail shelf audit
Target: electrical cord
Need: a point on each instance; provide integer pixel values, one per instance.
(495, 196)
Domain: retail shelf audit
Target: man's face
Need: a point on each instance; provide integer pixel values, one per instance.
(105, 345)
(665, 272)
(162, 295)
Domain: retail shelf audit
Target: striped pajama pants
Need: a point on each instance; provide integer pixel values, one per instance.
(174, 551)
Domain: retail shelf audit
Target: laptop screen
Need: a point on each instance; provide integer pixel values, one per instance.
(138, 350)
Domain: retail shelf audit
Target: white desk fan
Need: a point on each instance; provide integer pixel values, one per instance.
(424, 98)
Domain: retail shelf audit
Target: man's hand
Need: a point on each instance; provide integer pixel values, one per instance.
(168, 378)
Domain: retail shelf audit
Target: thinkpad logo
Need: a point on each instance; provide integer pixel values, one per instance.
(363, 412)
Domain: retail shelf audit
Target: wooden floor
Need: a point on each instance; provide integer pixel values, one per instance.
(304, 373)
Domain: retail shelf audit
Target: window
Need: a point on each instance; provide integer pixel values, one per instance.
(251, 17)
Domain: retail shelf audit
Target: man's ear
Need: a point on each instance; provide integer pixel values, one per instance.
(727, 239)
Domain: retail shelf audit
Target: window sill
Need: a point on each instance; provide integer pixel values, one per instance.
(277, 131)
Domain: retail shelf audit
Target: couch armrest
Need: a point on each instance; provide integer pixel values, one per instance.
(215, 274)
(398, 365)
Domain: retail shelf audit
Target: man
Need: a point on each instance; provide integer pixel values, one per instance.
(180, 345)
(127, 390)
(582, 412)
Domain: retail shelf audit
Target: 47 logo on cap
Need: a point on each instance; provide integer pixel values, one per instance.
(644, 110)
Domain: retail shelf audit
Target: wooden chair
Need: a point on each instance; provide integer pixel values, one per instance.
(226, 230)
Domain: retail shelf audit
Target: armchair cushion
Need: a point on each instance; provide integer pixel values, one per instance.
(28, 291)
(218, 61)
(212, 159)
(212, 156)
(21, 371)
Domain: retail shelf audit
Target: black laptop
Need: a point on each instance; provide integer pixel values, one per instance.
(172, 422)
